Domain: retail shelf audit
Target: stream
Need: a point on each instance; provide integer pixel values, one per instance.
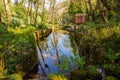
(55, 53)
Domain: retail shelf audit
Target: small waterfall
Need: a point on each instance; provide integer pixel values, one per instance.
(102, 72)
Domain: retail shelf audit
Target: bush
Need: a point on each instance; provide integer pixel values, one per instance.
(79, 62)
(114, 19)
(66, 26)
(3, 29)
(42, 26)
(65, 67)
(18, 47)
(94, 75)
(78, 75)
(15, 23)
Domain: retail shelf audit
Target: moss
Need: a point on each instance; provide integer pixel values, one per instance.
(56, 77)
(94, 75)
(16, 77)
(110, 78)
(78, 75)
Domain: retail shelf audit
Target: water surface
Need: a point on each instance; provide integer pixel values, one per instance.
(51, 50)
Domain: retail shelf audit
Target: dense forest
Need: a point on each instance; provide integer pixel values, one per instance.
(88, 29)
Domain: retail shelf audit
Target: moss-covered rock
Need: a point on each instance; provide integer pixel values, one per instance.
(78, 75)
(110, 78)
(94, 75)
(16, 77)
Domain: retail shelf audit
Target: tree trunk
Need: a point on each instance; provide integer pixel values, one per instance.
(91, 10)
(9, 1)
(36, 11)
(28, 12)
(53, 15)
(118, 6)
(8, 13)
(100, 7)
(86, 10)
(31, 14)
(106, 5)
(0, 18)
(36, 14)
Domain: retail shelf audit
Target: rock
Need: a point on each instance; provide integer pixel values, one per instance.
(94, 75)
(110, 78)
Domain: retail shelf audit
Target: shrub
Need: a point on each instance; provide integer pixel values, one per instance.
(18, 47)
(78, 75)
(79, 62)
(42, 26)
(65, 67)
(15, 23)
(94, 75)
(66, 26)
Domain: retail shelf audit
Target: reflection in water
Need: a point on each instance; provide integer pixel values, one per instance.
(50, 51)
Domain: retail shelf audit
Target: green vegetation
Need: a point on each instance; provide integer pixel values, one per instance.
(17, 45)
(78, 75)
(56, 77)
(94, 75)
(96, 43)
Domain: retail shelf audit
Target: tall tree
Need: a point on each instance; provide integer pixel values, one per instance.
(28, 11)
(91, 10)
(31, 12)
(52, 9)
(8, 13)
(55, 9)
(118, 6)
(16, 2)
(43, 2)
(37, 7)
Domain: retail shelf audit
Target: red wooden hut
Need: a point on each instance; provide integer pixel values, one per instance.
(80, 18)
